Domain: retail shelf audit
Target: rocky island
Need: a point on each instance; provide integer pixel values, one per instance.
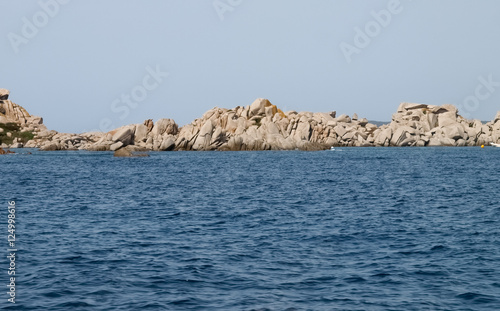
(259, 126)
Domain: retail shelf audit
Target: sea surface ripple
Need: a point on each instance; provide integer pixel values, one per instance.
(352, 229)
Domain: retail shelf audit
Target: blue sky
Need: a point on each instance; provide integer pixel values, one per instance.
(76, 62)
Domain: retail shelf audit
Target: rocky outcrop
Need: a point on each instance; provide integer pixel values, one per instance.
(129, 151)
(428, 125)
(52, 140)
(263, 126)
(159, 136)
(2, 152)
(11, 113)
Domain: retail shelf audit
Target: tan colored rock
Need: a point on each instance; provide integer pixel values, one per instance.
(204, 138)
(432, 120)
(454, 131)
(262, 126)
(141, 133)
(235, 143)
(149, 124)
(167, 144)
(31, 144)
(340, 130)
(116, 146)
(303, 131)
(497, 117)
(50, 147)
(434, 142)
(383, 137)
(122, 153)
(124, 135)
(165, 126)
(270, 111)
(4, 94)
(258, 107)
(343, 118)
(98, 147)
(400, 135)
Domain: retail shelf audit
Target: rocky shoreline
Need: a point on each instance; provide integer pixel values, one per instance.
(259, 126)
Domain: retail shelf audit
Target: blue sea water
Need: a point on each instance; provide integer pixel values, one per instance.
(352, 229)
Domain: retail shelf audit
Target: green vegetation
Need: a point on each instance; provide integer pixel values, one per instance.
(15, 129)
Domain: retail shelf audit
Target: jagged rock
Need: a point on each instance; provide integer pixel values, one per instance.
(167, 144)
(130, 151)
(149, 124)
(14, 113)
(141, 133)
(447, 115)
(204, 138)
(165, 126)
(454, 131)
(401, 135)
(364, 122)
(303, 131)
(31, 144)
(4, 94)
(343, 118)
(98, 147)
(497, 117)
(384, 137)
(258, 107)
(262, 126)
(49, 147)
(122, 153)
(116, 146)
(235, 143)
(124, 135)
(410, 106)
(35, 120)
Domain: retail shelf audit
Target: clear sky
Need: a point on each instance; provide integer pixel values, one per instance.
(97, 64)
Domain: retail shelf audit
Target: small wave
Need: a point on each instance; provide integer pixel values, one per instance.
(477, 298)
(355, 279)
(438, 248)
(74, 304)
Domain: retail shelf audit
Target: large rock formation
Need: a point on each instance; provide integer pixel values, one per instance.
(159, 136)
(428, 125)
(11, 113)
(263, 126)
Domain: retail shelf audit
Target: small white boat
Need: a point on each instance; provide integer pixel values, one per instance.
(495, 145)
(332, 148)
